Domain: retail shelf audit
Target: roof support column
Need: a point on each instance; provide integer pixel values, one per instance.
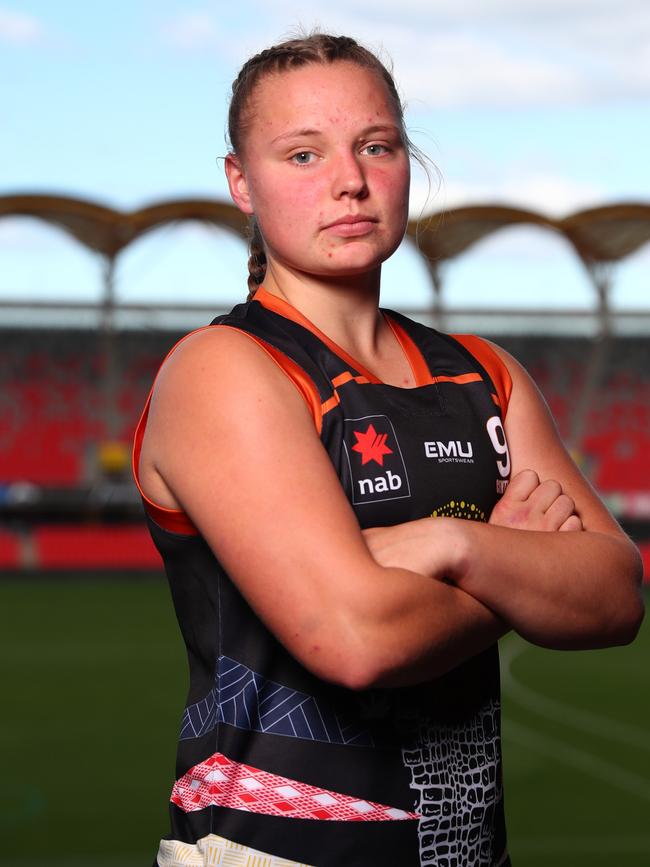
(108, 352)
(601, 274)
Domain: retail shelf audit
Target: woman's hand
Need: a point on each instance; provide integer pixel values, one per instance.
(529, 504)
(429, 546)
(556, 589)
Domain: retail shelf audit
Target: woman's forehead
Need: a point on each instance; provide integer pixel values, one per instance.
(324, 92)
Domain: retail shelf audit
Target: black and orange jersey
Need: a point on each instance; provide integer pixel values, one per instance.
(277, 765)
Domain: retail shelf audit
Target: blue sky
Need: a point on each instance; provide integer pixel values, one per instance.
(538, 103)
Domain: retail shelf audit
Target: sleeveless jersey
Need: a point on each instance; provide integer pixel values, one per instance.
(274, 765)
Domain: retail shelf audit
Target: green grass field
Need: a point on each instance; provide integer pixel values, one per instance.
(93, 684)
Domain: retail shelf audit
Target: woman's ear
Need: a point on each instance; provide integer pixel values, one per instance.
(237, 184)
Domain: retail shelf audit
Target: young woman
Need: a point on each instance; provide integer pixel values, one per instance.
(328, 486)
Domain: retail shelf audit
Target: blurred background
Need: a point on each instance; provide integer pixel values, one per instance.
(116, 237)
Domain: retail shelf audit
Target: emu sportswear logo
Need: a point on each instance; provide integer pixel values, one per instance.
(452, 451)
(377, 468)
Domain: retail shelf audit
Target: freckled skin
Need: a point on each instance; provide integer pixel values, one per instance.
(347, 172)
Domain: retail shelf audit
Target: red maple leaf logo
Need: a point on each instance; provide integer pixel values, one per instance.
(372, 446)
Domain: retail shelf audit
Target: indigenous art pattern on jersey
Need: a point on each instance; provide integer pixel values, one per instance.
(221, 782)
(299, 771)
(453, 769)
(245, 699)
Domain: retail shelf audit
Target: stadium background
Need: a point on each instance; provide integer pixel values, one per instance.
(93, 670)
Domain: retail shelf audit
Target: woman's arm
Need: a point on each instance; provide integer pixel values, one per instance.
(557, 589)
(527, 504)
(231, 442)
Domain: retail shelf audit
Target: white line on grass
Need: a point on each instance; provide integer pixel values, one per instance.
(583, 761)
(511, 649)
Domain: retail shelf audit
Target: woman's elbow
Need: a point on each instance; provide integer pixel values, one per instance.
(623, 615)
(339, 656)
(366, 658)
(369, 674)
(342, 669)
(629, 623)
(366, 666)
(635, 608)
(622, 618)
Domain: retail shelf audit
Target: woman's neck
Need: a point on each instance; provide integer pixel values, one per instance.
(345, 309)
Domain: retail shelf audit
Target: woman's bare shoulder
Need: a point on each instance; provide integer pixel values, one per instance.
(213, 379)
(224, 363)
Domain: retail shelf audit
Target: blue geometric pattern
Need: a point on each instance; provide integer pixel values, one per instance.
(246, 700)
(200, 718)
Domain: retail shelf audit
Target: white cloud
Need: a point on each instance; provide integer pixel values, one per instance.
(545, 192)
(551, 195)
(17, 28)
(499, 12)
(192, 30)
(465, 69)
(217, 31)
(496, 52)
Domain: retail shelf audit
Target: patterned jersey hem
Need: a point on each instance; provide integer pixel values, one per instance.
(217, 850)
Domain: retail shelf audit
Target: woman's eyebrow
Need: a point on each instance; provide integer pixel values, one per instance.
(296, 133)
(305, 132)
(380, 127)
(390, 128)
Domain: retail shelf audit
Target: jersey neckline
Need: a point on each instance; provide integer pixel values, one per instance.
(419, 367)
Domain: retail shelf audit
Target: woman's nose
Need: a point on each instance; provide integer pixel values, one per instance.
(349, 178)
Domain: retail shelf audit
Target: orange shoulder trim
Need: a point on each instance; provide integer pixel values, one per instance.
(176, 520)
(283, 308)
(420, 369)
(499, 373)
(294, 373)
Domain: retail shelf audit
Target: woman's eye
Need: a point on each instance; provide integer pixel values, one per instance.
(375, 150)
(302, 158)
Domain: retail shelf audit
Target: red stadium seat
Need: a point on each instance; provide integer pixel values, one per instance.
(53, 416)
(9, 550)
(53, 405)
(73, 546)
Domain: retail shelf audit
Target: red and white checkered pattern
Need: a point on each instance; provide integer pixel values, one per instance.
(219, 781)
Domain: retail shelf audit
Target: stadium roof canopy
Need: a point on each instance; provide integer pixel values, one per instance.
(599, 235)
(109, 231)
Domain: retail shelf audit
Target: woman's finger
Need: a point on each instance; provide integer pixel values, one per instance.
(545, 495)
(572, 523)
(522, 485)
(559, 511)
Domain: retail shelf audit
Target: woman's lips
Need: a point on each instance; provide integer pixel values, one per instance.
(352, 227)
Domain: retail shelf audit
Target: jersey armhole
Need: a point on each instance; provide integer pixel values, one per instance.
(176, 520)
(495, 367)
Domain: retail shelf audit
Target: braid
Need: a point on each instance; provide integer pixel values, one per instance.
(256, 259)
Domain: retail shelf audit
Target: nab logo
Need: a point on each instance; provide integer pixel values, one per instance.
(371, 446)
(377, 468)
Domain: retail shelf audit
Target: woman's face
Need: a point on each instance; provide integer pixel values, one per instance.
(324, 169)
